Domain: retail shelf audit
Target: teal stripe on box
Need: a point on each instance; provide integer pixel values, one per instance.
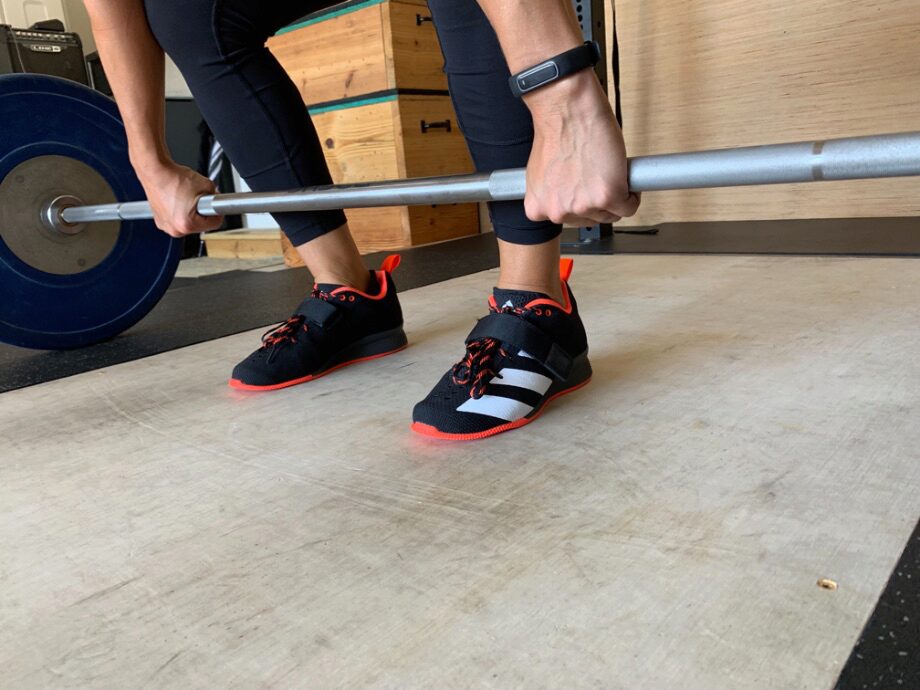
(352, 103)
(371, 98)
(331, 13)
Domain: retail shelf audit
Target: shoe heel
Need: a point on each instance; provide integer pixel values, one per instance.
(581, 371)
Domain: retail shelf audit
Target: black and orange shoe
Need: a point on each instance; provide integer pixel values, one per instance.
(334, 327)
(528, 351)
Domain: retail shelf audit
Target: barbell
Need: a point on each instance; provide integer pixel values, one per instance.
(886, 155)
(81, 261)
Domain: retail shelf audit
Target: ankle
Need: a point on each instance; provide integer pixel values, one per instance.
(363, 280)
(333, 259)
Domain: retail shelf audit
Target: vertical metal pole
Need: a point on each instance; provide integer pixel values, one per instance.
(591, 16)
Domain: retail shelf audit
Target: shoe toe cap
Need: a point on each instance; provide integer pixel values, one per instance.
(252, 372)
(426, 413)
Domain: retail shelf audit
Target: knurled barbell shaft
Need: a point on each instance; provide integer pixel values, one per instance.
(884, 155)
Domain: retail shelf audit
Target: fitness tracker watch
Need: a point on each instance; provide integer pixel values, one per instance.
(568, 63)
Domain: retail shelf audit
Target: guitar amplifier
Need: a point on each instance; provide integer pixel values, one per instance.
(40, 51)
(97, 74)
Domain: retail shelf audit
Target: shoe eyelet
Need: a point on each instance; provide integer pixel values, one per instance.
(351, 298)
(549, 312)
(539, 312)
(342, 298)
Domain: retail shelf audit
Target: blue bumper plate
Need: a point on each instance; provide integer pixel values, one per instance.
(65, 291)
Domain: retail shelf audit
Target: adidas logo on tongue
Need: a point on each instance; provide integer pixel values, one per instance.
(515, 299)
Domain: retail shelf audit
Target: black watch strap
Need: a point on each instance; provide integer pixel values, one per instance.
(583, 57)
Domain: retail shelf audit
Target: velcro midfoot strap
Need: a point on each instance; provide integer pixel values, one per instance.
(319, 311)
(523, 335)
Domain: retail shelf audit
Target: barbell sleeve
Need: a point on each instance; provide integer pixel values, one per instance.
(852, 158)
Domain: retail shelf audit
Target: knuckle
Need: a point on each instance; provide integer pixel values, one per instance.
(534, 211)
(610, 201)
(583, 210)
(611, 198)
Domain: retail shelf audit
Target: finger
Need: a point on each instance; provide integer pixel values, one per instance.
(579, 221)
(628, 208)
(168, 228)
(183, 226)
(592, 219)
(207, 223)
(534, 211)
(197, 224)
(607, 217)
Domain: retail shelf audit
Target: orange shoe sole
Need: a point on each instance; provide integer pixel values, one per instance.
(240, 386)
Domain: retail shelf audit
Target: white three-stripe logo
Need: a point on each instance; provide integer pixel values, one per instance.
(508, 408)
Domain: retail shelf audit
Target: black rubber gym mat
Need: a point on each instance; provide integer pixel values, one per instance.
(887, 654)
(196, 310)
(837, 236)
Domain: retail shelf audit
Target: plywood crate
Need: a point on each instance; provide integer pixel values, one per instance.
(360, 48)
(243, 244)
(384, 140)
(371, 74)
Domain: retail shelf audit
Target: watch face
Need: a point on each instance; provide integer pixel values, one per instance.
(538, 76)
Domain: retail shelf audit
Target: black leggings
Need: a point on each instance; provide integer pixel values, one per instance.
(260, 118)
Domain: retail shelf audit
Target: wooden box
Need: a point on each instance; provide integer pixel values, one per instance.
(356, 49)
(243, 244)
(387, 140)
(371, 74)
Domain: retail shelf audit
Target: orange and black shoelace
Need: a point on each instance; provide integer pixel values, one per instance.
(286, 331)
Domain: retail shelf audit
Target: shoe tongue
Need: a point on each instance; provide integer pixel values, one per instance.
(515, 299)
(371, 289)
(304, 307)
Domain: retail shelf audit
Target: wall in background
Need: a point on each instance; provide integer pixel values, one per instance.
(24, 13)
(726, 73)
(77, 21)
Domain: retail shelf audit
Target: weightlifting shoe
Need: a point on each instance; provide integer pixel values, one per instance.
(527, 352)
(334, 327)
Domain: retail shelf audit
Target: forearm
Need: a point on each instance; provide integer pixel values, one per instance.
(577, 173)
(531, 31)
(134, 65)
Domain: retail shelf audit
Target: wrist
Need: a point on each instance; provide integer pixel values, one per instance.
(153, 171)
(150, 161)
(578, 94)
